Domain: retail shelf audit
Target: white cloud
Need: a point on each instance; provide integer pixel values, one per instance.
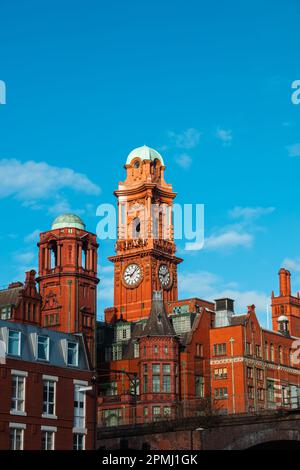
(187, 139)
(33, 236)
(229, 239)
(184, 161)
(207, 285)
(294, 150)
(32, 181)
(24, 257)
(224, 135)
(250, 213)
(293, 264)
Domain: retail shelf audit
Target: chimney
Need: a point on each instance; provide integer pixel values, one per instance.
(224, 312)
(284, 282)
(13, 285)
(251, 308)
(30, 277)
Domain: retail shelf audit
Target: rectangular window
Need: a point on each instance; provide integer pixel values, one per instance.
(248, 349)
(136, 350)
(199, 386)
(266, 351)
(260, 394)
(270, 390)
(43, 348)
(249, 372)
(145, 388)
(112, 389)
(220, 349)
(14, 343)
(260, 374)
(49, 397)
(156, 378)
(220, 373)
(155, 383)
(221, 393)
(47, 440)
(5, 313)
(167, 411)
(79, 407)
(251, 392)
(18, 393)
(16, 438)
(156, 413)
(258, 350)
(72, 354)
(117, 352)
(78, 441)
(166, 384)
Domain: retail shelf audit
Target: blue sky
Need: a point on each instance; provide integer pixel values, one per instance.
(208, 84)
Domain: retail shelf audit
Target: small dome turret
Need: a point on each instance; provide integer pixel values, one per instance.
(68, 220)
(144, 153)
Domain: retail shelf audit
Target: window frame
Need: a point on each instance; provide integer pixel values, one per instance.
(76, 352)
(48, 348)
(10, 330)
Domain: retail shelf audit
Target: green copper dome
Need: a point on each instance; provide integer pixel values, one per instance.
(144, 153)
(68, 220)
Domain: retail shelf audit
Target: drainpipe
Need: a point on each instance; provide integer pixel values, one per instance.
(232, 375)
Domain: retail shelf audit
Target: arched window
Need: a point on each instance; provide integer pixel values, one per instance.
(136, 228)
(291, 357)
(280, 354)
(271, 352)
(53, 254)
(84, 256)
(266, 351)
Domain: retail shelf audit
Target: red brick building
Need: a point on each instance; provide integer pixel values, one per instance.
(43, 401)
(47, 345)
(160, 357)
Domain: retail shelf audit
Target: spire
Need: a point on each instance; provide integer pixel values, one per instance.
(158, 323)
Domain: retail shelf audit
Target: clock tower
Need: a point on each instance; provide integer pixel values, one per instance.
(145, 258)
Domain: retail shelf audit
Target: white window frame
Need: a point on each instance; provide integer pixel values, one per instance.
(52, 380)
(19, 343)
(76, 435)
(49, 430)
(14, 427)
(37, 348)
(77, 353)
(81, 398)
(19, 375)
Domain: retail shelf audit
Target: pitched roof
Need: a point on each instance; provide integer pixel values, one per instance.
(158, 323)
(239, 319)
(10, 296)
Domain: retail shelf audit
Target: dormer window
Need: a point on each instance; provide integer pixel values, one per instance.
(42, 348)
(14, 343)
(72, 354)
(5, 312)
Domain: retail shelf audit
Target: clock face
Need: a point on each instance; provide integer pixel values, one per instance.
(164, 276)
(132, 275)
